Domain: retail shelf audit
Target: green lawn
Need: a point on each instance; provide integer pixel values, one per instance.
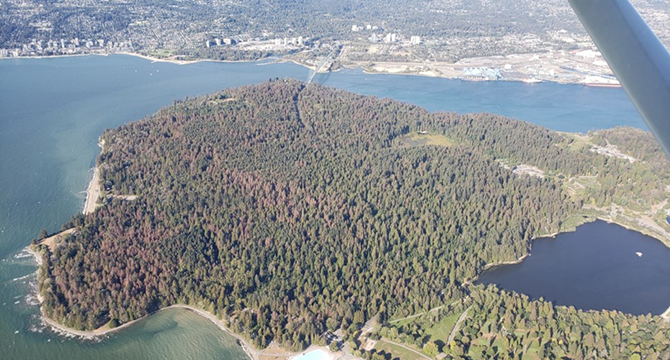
(424, 139)
(397, 351)
(442, 329)
(161, 53)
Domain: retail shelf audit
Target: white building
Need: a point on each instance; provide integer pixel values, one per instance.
(390, 38)
(415, 40)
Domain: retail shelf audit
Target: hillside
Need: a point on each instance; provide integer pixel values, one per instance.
(292, 209)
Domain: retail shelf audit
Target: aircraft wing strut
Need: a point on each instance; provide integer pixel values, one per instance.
(637, 57)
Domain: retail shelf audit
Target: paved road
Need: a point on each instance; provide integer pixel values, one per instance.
(457, 326)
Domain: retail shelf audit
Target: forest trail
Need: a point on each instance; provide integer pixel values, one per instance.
(423, 313)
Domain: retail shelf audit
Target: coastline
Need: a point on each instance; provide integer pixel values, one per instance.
(511, 262)
(519, 260)
(666, 315)
(286, 60)
(588, 220)
(186, 62)
(94, 189)
(251, 351)
(93, 192)
(664, 241)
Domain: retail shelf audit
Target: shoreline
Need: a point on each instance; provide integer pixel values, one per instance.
(281, 60)
(251, 351)
(666, 315)
(586, 221)
(94, 189)
(664, 241)
(180, 62)
(511, 262)
(519, 260)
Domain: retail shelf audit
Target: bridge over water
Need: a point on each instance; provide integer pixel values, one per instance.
(323, 63)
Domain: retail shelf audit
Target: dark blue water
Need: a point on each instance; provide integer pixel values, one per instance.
(594, 268)
(572, 108)
(53, 110)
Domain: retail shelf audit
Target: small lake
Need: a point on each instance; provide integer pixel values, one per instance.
(595, 268)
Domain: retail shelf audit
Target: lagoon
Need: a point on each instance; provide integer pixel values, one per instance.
(53, 110)
(599, 266)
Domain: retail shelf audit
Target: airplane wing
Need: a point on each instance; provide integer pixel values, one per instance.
(635, 55)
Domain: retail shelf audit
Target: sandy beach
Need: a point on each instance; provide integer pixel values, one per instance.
(92, 193)
(94, 188)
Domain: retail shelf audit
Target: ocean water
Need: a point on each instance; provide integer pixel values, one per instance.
(53, 110)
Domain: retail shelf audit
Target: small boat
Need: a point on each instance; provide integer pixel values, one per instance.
(639, 254)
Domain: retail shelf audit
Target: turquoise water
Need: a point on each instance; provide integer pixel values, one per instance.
(53, 110)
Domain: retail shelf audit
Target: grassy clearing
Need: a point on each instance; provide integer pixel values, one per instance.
(161, 53)
(52, 241)
(442, 329)
(575, 142)
(397, 351)
(415, 139)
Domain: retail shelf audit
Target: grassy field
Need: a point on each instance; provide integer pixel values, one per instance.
(414, 139)
(161, 53)
(442, 329)
(397, 351)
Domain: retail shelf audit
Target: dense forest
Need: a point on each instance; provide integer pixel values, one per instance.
(292, 209)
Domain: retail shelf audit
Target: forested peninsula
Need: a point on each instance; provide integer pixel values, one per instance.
(289, 210)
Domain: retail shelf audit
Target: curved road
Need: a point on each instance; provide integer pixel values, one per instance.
(457, 326)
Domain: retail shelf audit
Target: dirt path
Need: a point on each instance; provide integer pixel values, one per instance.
(423, 313)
